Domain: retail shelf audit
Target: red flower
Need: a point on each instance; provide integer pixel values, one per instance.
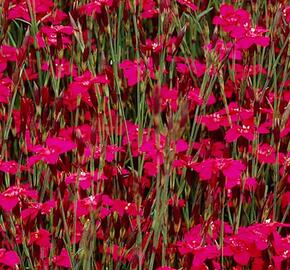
(236, 131)
(9, 258)
(188, 3)
(85, 179)
(50, 153)
(149, 9)
(40, 238)
(214, 121)
(238, 24)
(266, 153)
(63, 259)
(231, 169)
(5, 91)
(10, 197)
(94, 6)
(251, 36)
(20, 10)
(34, 208)
(10, 167)
(133, 71)
(232, 20)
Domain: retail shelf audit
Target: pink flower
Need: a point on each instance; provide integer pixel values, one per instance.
(21, 9)
(193, 244)
(9, 258)
(236, 131)
(63, 259)
(133, 71)
(40, 238)
(286, 13)
(282, 250)
(85, 179)
(149, 9)
(188, 3)
(238, 24)
(34, 208)
(222, 49)
(5, 91)
(50, 154)
(61, 67)
(10, 167)
(266, 154)
(214, 121)
(230, 168)
(251, 184)
(11, 196)
(95, 6)
(239, 249)
(232, 20)
(251, 36)
(195, 66)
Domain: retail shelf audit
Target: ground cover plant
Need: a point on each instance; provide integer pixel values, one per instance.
(144, 134)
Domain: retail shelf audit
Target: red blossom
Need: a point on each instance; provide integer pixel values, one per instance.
(9, 258)
(236, 131)
(12, 196)
(63, 259)
(230, 168)
(238, 24)
(40, 238)
(188, 3)
(50, 153)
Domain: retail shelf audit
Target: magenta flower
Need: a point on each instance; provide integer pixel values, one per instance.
(188, 3)
(9, 258)
(10, 167)
(246, 131)
(40, 238)
(232, 20)
(251, 36)
(214, 121)
(50, 153)
(238, 24)
(95, 6)
(11, 196)
(230, 168)
(34, 208)
(84, 179)
(21, 9)
(193, 244)
(134, 72)
(266, 154)
(5, 92)
(63, 259)
(149, 9)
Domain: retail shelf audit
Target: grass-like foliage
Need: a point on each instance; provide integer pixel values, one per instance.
(144, 134)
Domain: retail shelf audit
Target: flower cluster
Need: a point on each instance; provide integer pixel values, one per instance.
(144, 134)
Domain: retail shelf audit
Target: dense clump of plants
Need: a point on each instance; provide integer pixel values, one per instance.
(144, 134)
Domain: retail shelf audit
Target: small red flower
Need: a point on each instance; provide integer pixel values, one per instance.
(236, 131)
(9, 258)
(63, 259)
(50, 153)
(11, 196)
(40, 238)
(188, 3)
